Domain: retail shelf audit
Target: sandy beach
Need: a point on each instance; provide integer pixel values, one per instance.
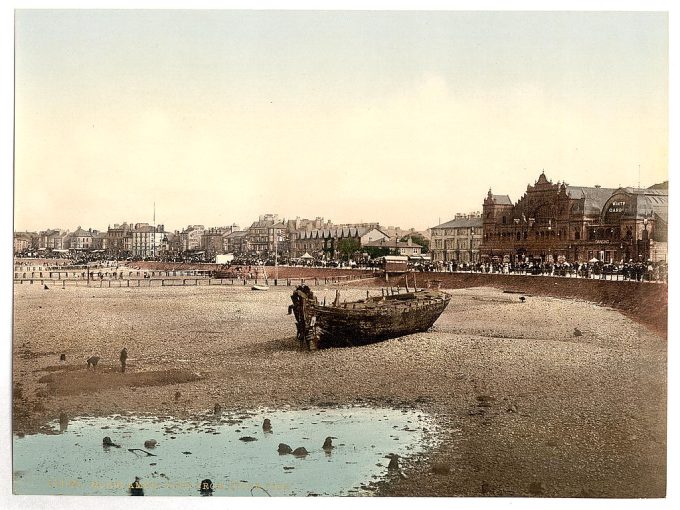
(525, 407)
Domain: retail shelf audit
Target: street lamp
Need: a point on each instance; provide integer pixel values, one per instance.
(645, 239)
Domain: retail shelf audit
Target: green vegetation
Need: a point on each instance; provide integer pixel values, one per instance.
(348, 247)
(419, 240)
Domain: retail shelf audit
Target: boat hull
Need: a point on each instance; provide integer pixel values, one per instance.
(365, 321)
(338, 327)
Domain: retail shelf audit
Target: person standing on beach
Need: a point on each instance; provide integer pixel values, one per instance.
(123, 359)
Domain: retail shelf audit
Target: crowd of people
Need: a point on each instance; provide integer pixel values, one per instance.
(639, 271)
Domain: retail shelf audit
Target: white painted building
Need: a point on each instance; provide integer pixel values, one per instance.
(147, 240)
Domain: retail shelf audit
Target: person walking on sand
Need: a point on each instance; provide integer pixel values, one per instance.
(123, 359)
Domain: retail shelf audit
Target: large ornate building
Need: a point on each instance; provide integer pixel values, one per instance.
(554, 222)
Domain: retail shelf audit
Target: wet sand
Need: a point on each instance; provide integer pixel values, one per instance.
(526, 407)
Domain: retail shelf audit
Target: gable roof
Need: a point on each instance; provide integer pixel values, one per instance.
(81, 233)
(462, 223)
(502, 199)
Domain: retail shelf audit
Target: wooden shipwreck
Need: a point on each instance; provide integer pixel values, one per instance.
(365, 321)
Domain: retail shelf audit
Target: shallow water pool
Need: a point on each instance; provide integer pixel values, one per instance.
(75, 462)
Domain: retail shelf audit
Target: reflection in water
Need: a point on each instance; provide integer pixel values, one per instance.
(328, 451)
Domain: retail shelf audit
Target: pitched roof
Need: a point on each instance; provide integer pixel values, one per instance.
(662, 185)
(364, 231)
(651, 201)
(147, 229)
(595, 198)
(81, 233)
(262, 224)
(502, 199)
(386, 243)
(331, 233)
(462, 223)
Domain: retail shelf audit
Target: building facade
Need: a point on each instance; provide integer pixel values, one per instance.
(458, 240)
(212, 241)
(119, 240)
(633, 226)
(147, 240)
(257, 236)
(236, 242)
(81, 240)
(321, 243)
(191, 238)
(558, 222)
(404, 248)
(54, 239)
(25, 241)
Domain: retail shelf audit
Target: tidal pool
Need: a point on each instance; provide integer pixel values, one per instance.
(73, 460)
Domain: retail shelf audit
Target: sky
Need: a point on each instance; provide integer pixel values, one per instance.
(404, 118)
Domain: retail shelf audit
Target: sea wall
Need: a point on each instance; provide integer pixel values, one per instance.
(646, 302)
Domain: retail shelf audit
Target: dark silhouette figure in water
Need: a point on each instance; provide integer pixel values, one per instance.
(107, 443)
(328, 444)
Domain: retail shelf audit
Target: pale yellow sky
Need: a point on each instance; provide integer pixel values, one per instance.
(402, 118)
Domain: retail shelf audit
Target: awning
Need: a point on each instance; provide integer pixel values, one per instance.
(306, 256)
